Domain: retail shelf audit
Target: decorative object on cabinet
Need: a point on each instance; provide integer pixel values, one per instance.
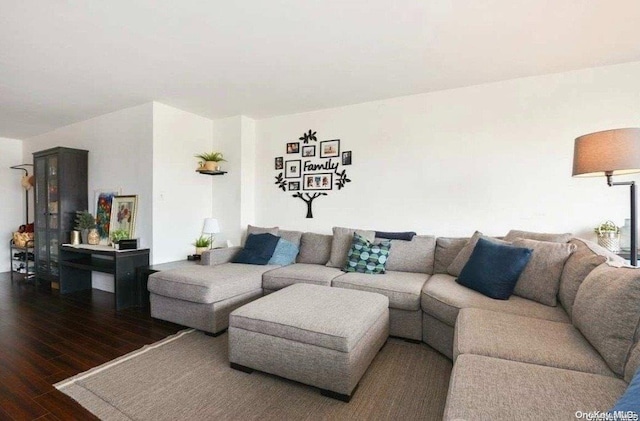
(117, 236)
(61, 189)
(609, 153)
(123, 214)
(608, 236)
(315, 171)
(93, 237)
(210, 161)
(84, 222)
(210, 227)
(103, 200)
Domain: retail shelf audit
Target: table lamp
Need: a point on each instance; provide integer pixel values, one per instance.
(609, 153)
(210, 227)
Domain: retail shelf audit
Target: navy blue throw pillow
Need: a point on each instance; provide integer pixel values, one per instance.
(258, 249)
(406, 236)
(493, 269)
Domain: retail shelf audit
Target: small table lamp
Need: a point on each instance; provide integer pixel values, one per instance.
(210, 227)
(609, 153)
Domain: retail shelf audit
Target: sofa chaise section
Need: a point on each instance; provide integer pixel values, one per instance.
(202, 297)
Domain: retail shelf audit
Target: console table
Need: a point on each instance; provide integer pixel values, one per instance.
(77, 263)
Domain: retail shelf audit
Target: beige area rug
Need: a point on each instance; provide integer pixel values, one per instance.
(187, 377)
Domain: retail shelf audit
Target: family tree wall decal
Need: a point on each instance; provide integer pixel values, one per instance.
(313, 169)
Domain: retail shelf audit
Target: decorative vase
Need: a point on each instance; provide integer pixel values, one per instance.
(625, 236)
(212, 166)
(200, 250)
(84, 233)
(93, 237)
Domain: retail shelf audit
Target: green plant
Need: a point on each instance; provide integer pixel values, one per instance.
(211, 156)
(202, 241)
(118, 235)
(607, 226)
(84, 220)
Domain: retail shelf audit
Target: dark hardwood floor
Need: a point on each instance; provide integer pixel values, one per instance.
(46, 337)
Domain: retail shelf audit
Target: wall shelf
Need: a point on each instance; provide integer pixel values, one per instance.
(211, 172)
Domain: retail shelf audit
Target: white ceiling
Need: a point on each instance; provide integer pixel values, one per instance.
(65, 61)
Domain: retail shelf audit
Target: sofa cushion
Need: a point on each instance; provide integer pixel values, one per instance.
(262, 230)
(442, 298)
(607, 310)
(299, 273)
(447, 248)
(493, 269)
(326, 317)
(206, 284)
(341, 242)
(576, 268)
(540, 279)
(284, 254)
(485, 388)
(314, 248)
(630, 400)
(463, 256)
(402, 288)
(257, 250)
(292, 236)
(366, 257)
(415, 256)
(525, 339)
(538, 236)
(406, 236)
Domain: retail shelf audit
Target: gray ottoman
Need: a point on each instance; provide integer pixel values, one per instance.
(317, 335)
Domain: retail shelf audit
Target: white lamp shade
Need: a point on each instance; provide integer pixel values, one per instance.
(211, 226)
(611, 151)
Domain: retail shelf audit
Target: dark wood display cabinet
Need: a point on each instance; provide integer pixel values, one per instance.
(61, 189)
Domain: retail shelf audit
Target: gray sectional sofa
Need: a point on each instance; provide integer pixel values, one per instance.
(513, 359)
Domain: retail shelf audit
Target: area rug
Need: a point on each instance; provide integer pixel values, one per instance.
(187, 377)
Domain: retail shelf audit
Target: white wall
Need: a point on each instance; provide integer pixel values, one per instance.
(120, 146)
(490, 157)
(12, 213)
(181, 197)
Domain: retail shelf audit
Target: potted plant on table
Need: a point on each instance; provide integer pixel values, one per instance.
(608, 236)
(84, 222)
(202, 244)
(118, 235)
(210, 161)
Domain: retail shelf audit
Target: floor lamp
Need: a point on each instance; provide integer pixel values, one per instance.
(609, 153)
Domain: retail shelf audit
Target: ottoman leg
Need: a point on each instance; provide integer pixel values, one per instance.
(241, 368)
(215, 335)
(335, 395)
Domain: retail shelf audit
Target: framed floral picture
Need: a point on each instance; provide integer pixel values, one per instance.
(103, 200)
(123, 215)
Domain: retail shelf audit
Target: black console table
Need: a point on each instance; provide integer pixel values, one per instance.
(77, 263)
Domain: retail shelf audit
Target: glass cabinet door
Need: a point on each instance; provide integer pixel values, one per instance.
(41, 214)
(52, 213)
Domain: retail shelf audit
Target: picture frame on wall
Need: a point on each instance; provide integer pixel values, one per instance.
(294, 185)
(320, 181)
(103, 199)
(279, 163)
(309, 151)
(123, 214)
(293, 147)
(292, 169)
(330, 148)
(346, 158)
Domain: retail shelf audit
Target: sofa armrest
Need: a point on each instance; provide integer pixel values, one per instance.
(219, 256)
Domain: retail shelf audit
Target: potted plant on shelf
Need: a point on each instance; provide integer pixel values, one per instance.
(118, 235)
(202, 244)
(210, 161)
(608, 236)
(84, 222)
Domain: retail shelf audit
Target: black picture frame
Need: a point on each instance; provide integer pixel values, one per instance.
(319, 181)
(293, 147)
(309, 151)
(279, 163)
(293, 169)
(294, 185)
(330, 148)
(346, 158)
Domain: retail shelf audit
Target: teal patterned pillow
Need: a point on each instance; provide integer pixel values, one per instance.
(366, 257)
